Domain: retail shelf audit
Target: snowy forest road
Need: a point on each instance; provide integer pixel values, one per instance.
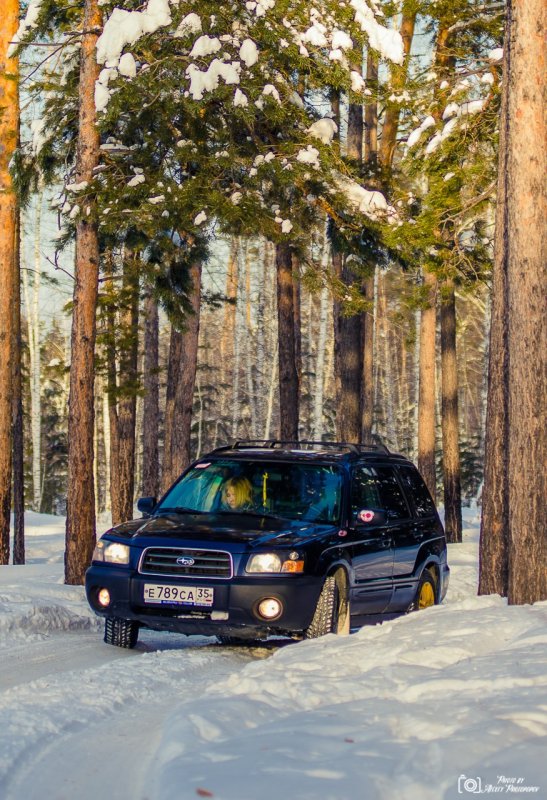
(81, 719)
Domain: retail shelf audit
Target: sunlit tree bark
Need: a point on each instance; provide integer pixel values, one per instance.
(80, 523)
(9, 131)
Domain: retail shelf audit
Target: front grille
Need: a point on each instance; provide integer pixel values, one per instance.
(207, 563)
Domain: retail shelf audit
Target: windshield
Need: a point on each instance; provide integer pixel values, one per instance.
(292, 491)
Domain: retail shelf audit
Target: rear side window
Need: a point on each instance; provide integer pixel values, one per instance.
(377, 487)
(391, 495)
(416, 489)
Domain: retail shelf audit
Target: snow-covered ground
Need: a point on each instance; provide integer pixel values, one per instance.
(439, 704)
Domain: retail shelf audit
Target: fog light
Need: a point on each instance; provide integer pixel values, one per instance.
(103, 596)
(270, 608)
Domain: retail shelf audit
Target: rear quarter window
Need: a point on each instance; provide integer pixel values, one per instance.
(417, 492)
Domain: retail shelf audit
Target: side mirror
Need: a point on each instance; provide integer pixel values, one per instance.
(371, 517)
(146, 505)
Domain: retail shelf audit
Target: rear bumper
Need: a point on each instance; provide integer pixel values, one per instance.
(234, 609)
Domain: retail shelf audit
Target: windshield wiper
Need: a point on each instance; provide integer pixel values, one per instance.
(247, 513)
(181, 510)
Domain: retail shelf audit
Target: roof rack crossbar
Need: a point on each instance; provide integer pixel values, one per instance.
(239, 444)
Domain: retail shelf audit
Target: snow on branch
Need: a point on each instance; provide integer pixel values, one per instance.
(29, 22)
(126, 27)
(372, 204)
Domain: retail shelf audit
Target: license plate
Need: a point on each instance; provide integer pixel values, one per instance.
(162, 594)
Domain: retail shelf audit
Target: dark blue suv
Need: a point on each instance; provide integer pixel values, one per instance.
(262, 538)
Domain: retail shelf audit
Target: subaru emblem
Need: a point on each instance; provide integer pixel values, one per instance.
(185, 561)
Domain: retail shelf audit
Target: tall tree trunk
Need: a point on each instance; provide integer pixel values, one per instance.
(173, 371)
(80, 522)
(494, 535)
(523, 260)
(426, 401)
(355, 121)
(181, 379)
(449, 415)
(397, 84)
(318, 392)
(371, 159)
(227, 338)
(18, 437)
(33, 335)
(124, 401)
(260, 355)
(297, 305)
(367, 380)
(150, 422)
(107, 447)
(288, 374)
(9, 132)
(371, 112)
(348, 363)
(349, 334)
(250, 346)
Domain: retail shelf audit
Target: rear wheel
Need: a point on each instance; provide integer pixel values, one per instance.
(332, 610)
(121, 632)
(426, 594)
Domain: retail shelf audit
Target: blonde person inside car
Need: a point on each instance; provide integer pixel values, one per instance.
(237, 494)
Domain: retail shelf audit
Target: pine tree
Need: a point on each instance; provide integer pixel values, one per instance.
(9, 232)
(513, 534)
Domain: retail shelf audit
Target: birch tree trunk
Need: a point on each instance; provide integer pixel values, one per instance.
(449, 415)
(426, 396)
(80, 522)
(227, 338)
(150, 422)
(320, 356)
(9, 132)
(33, 335)
(288, 374)
(521, 257)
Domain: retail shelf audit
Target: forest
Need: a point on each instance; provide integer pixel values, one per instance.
(273, 220)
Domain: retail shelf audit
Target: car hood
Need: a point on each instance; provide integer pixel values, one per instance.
(248, 531)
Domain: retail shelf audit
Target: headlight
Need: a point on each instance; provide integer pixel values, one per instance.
(264, 562)
(111, 552)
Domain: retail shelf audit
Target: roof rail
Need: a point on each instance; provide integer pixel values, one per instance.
(273, 444)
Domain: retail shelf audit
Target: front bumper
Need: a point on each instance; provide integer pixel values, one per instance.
(233, 611)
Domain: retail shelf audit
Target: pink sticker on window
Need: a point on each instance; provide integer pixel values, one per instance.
(366, 515)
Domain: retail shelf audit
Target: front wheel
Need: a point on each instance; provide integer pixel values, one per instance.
(426, 594)
(332, 610)
(121, 632)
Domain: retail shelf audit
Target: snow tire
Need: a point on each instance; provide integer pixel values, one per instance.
(325, 618)
(121, 632)
(230, 641)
